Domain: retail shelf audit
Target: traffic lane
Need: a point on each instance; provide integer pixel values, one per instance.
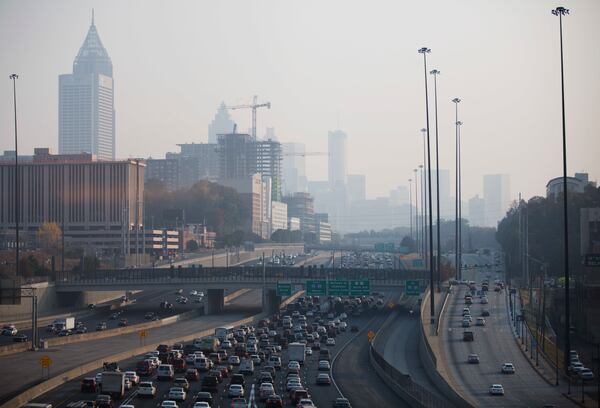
(357, 379)
(494, 343)
(26, 372)
(401, 350)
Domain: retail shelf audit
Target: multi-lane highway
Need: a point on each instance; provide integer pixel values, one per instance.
(495, 345)
(351, 371)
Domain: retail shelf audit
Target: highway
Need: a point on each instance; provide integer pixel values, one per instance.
(25, 370)
(351, 370)
(495, 345)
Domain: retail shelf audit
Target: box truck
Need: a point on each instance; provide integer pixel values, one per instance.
(113, 384)
(297, 352)
(68, 323)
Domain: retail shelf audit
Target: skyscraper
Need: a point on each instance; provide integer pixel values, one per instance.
(86, 115)
(477, 211)
(338, 158)
(496, 193)
(220, 125)
(294, 168)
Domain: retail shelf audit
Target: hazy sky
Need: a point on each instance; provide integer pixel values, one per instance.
(324, 64)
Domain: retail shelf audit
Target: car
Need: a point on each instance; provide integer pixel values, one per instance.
(473, 359)
(576, 367)
(496, 389)
(324, 365)
(89, 384)
(177, 394)
(123, 322)
(293, 383)
(204, 397)
(149, 315)
(466, 323)
(235, 390)
(191, 374)
(202, 404)
(354, 328)
(468, 336)
(239, 403)
(305, 403)
(81, 330)
(226, 345)
(103, 401)
(275, 361)
(274, 401)
(508, 368)
(265, 391)
(466, 311)
(330, 341)
(341, 403)
(133, 377)
(146, 389)
(586, 374)
(308, 351)
(169, 404)
(484, 301)
(485, 313)
(101, 326)
(293, 365)
(20, 338)
(323, 379)
(181, 382)
(480, 321)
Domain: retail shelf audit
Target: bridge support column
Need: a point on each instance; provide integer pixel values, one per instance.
(270, 301)
(215, 301)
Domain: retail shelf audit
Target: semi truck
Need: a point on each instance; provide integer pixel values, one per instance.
(113, 384)
(68, 323)
(297, 352)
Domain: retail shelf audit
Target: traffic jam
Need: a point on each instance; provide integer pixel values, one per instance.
(285, 360)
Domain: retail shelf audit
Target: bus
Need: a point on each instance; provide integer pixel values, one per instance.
(224, 333)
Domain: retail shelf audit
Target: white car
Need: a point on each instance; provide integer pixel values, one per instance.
(177, 394)
(226, 345)
(484, 300)
(330, 341)
(193, 292)
(146, 389)
(576, 367)
(305, 403)
(169, 404)
(133, 377)
(324, 365)
(99, 378)
(508, 368)
(234, 360)
(496, 389)
(309, 351)
(293, 383)
(586, 374)
(235, 390)
(480, 321)
(293, 365)
(343, 326)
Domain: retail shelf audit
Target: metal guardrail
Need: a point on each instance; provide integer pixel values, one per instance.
(252, 275)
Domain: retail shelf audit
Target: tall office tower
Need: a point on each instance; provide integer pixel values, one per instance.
(237, 156)
(321, 194)
(301, 205)
(294, 168)
(477, 211)
(338, 158)
(496, 193)
(207, 159)
(220, 125)
(357, 187)
(86, 114)
(268, 163)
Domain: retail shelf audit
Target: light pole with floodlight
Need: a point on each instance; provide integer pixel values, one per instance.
(456, 264)
(435, 73)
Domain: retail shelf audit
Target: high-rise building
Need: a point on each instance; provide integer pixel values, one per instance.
(496, 193)
(268, 163)
(279, 216)
(357, 187)
(220, 125)
(338, 158)
(294, 168)
(237, 156)
(301, 205)
(477, 211)
(321, 194)
(86, 115)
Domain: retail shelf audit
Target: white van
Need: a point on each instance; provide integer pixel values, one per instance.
(247, 367)
(165, 372)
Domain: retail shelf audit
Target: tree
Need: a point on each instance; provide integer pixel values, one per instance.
(48, 235)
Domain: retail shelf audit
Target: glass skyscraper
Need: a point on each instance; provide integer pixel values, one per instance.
(86, 115)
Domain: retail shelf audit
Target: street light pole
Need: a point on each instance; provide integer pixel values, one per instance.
(456, 264)
(14, 78)
(425, 51)
(417, 243)
(423, 236)
(424, 202)
(459, 124)
(560, 12)
(435, 73)
(410, 207)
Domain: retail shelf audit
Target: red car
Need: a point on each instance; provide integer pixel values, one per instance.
(89, 385)
(179, 365)
(192, 374)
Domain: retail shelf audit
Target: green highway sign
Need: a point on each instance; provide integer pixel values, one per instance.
(360, 287)
(284, 289)
(413, 288)
(316, 288)
(338, 288)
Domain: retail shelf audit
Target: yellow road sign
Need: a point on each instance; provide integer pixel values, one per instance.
(143, 333)
(371, 335)
(391, 305)
(45, 361)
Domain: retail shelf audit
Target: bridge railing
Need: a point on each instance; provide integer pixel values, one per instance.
(235, 274)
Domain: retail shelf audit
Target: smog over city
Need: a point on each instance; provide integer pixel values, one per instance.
(318, 203)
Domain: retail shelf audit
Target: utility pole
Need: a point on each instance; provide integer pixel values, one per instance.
(410, 207)
(435, 73)
(417, 240)
(456, 264)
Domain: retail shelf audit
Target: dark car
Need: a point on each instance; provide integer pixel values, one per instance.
(210, 383)
(274, 401)
(144, 367)
(20, 338)
(192, 374)
(123, 322)
(104, 401)
(238, 379)
(341, 403)
(485, 312)
(89, 385)
(179, 365)
(204, 397)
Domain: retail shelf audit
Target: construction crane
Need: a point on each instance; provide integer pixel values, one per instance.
(254, 105)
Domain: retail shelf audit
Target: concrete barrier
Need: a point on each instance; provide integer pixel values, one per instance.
(69, 375)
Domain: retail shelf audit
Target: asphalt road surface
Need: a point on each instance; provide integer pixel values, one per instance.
(351, 370)
(495, 345)
(25, 370)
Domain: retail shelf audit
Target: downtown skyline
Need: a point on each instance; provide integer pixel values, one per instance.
(378, 108)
